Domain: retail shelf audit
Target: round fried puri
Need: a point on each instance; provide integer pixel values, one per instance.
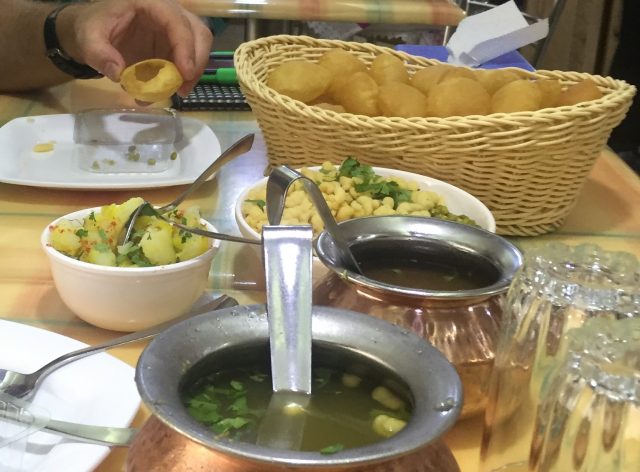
(359, 95)
(494, 79)
(387, 68)
(458, 96)
(398, 99)
(331, 106)
(341, 64)
(581, 92)
(519, 95)
(300, 79)
(551, 90)
(152, 80)
(426, 78)
(456, 71)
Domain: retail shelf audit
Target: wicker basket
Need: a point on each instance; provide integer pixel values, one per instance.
(527, 167)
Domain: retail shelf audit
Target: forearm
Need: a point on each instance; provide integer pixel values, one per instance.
(23, 62)
(105, 35)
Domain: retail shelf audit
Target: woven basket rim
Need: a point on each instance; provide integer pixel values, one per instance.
(620, 90)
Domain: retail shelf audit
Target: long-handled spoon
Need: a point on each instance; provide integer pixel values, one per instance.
(148, 210)
(236, 149)
(278, 183)
(287, 260)
(16, 411)
(24, 386)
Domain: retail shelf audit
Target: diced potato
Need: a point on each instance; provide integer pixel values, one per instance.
(100, 255)
(193, 246)
(94, 239)
(65, 239)
(157, 244)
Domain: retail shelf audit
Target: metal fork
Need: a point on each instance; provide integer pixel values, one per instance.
(24, 386)
(236, 149)
(146, 209)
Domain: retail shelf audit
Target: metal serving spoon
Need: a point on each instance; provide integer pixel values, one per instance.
(236, 149)
(278, 183)
(24, 386)
(287, 259)
(16, 411)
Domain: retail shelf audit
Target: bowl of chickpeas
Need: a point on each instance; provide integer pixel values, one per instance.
(354, 190)
(155, 277)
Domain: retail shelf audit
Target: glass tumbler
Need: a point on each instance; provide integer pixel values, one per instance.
(117, 141)
(589, 416)
(558, 288)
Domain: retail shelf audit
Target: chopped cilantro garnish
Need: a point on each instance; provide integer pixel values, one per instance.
(227, 424)
(102, 247)
(332, 449)
(82, 233)
(352, 168)
(92, 216)
(184, 235)
(381, 189)
(260, 203)
(134, 253)
(232, 420)
(375, 185)
(103, 235)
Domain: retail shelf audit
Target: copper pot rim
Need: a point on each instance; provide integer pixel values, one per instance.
(502, 254)
(430, 420)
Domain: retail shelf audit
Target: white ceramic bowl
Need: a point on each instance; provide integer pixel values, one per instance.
(127, 298)
(457, 200)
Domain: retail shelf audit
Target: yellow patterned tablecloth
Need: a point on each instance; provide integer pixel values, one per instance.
(607, 213)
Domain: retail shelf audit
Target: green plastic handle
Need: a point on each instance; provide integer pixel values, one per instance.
(222, 76)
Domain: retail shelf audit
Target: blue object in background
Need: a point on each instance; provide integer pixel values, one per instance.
(440, 53)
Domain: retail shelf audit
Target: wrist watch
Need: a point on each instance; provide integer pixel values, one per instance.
(59, 58)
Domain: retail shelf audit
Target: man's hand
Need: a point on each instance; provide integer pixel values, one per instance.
(108, 35)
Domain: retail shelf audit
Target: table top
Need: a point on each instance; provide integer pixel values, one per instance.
(606, 213)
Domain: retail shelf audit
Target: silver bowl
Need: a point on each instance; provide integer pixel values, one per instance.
(341, 339)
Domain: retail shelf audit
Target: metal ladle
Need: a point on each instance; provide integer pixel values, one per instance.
(279, 181)
(287, 260)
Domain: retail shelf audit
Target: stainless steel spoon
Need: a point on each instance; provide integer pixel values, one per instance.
(147, 209)
(13, 410)
(287, 259)
(236, 149)
(278, 183)
(23, 386)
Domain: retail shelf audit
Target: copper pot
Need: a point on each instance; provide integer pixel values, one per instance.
(159, 448)
(462, 324)
(173, 441)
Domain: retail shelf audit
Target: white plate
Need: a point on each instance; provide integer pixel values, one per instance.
(457, 200)
(58, 168)
(98, 389)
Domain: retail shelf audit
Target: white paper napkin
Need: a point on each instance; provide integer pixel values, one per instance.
(487, 35)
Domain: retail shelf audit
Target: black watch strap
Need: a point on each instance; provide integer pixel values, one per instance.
(60, 59)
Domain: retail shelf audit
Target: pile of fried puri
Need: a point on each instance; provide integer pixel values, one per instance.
(342, 82)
